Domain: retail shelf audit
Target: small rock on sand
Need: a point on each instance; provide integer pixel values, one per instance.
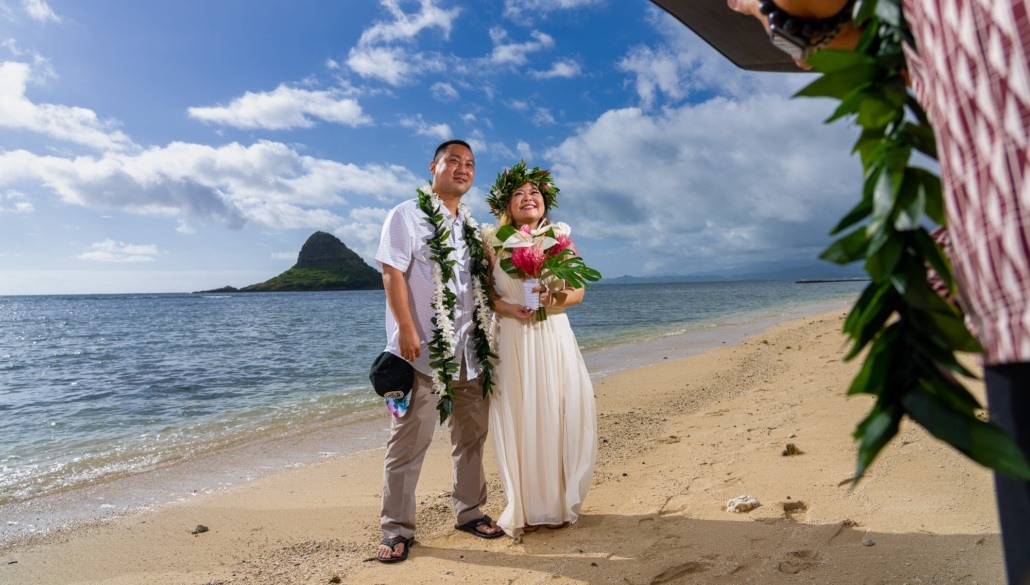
(791, 450)
(741, 504)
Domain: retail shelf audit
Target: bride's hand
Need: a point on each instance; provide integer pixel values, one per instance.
(507, 309)
(545, 295)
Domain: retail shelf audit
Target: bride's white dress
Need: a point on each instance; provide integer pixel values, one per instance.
(542, 417)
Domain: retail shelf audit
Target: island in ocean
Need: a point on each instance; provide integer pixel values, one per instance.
(324, 263)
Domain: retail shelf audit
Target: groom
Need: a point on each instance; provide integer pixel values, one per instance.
(406, 260)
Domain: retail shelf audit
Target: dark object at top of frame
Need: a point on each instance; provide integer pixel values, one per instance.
(739, 38)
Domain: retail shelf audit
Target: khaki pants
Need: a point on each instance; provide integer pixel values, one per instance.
(410, 437)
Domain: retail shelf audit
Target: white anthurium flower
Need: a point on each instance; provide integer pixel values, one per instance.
(521, 239)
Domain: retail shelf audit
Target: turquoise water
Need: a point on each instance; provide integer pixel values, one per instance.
(103, 386)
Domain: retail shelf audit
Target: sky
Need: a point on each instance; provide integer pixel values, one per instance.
(183, 145)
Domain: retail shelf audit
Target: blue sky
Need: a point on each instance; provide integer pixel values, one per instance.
(173, 146)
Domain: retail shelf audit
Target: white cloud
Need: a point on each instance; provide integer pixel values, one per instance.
(510, 53)
(39, 10)
(15, 202)
(714, 184)
(406, 26)
(361, 230)
(563, 68)
(444, 92)
(543, 117)
(389, 64)
(112, 251)
(66, 123)
(376, 56)
(656, 71)
(266, 183)
(440, 131)
(681, 64)
(515, 8)
(285, 108)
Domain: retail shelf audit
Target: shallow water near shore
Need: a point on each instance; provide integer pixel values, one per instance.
(118, 403)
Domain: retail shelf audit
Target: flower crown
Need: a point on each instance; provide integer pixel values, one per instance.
(513, 178)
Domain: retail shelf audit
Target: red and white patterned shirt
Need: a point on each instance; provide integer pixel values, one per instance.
(970, 72)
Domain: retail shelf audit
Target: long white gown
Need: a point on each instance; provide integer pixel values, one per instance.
(542, 417)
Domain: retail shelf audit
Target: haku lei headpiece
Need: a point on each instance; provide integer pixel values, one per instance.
(510, 179)
(441, 346)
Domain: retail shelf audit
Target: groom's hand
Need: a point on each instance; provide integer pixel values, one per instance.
(409, 342)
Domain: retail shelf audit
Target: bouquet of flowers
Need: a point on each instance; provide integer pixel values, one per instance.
(544, 254)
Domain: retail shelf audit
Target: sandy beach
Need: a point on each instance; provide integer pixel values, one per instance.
(679, 438)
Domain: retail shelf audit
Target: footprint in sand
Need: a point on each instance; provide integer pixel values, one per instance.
(674, 573)
(797, 561)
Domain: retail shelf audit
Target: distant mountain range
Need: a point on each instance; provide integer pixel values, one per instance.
(324, 263)
(808, 272)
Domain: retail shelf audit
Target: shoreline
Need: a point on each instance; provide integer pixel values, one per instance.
(677, 439)
(223, 468)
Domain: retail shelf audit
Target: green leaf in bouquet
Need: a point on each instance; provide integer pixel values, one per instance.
(504, 232)
(567, 266)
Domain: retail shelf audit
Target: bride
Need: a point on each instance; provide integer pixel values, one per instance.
(542, 412)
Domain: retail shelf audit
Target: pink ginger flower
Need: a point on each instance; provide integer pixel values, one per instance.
(529, 259)
(564, 242)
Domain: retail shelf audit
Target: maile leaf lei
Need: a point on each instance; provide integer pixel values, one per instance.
(441, 345)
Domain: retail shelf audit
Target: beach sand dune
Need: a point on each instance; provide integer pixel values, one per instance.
(679, 439)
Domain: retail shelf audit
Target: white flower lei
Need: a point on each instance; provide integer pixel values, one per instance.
(445, 317)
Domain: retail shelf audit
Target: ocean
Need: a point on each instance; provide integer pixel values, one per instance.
(101, 389)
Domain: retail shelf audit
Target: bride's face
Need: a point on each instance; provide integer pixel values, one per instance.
(526, 205)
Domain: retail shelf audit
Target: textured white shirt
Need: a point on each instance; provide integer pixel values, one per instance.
(403, 245)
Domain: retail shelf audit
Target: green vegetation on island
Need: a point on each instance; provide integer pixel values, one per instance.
(324, 263)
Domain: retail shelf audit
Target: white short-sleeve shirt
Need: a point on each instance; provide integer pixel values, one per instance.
(403, 245)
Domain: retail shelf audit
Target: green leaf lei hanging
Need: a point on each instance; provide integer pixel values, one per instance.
(441, 346)
(911, 332)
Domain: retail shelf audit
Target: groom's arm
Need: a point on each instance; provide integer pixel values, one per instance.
(397, 299)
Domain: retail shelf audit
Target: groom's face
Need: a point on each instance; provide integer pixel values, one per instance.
(453, 171)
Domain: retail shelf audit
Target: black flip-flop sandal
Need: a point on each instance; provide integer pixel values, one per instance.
(471, 525)
(392, 542)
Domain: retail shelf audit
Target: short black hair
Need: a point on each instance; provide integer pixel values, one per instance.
(443, 146)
